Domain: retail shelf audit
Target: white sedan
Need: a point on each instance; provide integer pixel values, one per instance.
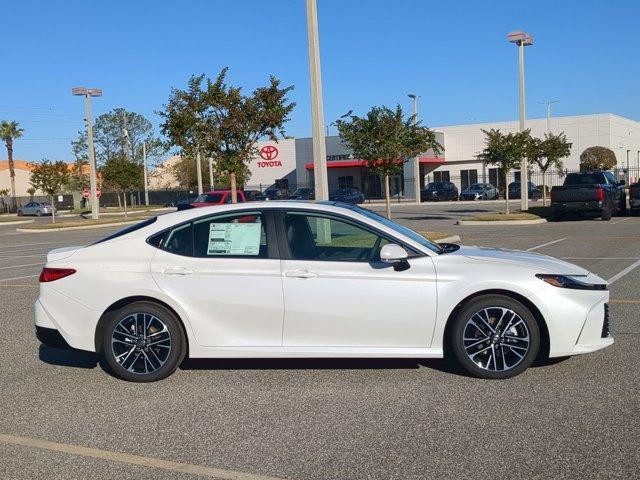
(300, 279)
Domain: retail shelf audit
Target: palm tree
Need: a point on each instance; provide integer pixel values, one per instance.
(9, 131)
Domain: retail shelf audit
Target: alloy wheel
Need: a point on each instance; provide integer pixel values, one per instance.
(496, 339)
(141, 343)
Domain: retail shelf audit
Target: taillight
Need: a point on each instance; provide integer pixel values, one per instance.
(600, 194)
(52, 274)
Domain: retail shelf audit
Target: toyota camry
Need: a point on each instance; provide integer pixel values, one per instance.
(304, 279)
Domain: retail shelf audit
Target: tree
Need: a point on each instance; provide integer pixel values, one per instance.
(222, 123)
(384, 139)
(505, 151)
(9, 131)
(119, 132)
(80, 153)
(548, 153)
(51, 179)
(3, 193)
(31, 191)
(122, 175)
(597, 158)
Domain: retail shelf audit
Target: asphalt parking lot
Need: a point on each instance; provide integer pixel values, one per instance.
(329, 419)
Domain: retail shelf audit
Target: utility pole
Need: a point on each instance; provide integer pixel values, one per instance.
(522, 39)
(548, 103)
(199, 172)
(146, 183)
(416, 161)
(317, 114)
(87, 93)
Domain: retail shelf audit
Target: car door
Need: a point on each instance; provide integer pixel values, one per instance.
(28, 209)
(224, 272)
(338, 293)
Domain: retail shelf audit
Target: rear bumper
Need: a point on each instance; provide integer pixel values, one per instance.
(574, 207)
(634, 202)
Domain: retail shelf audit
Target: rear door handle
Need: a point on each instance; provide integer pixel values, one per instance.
(177, 271)
(300, 274)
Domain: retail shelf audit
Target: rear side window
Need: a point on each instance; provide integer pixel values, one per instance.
(180, 241)
(132, 228)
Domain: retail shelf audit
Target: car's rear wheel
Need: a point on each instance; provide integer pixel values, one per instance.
(495, 337)
(143, 342)
(39, 213)
(607, 212)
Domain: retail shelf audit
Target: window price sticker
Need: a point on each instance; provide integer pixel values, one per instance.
(234, 238)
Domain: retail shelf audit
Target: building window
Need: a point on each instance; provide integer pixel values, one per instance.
(441, 176)
(467, 177)
(496, 177)
(345, 182)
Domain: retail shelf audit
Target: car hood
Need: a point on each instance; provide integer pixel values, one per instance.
(544, 263)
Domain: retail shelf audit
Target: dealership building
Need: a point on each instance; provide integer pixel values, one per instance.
(288, 163)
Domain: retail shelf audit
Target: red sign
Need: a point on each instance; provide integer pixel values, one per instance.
(268, 152)
(86, 193)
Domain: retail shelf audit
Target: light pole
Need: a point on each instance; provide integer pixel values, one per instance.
(88, 93)
(317, 114)
(522, 39)
(146, 173)
(416, 161)
(548, 103)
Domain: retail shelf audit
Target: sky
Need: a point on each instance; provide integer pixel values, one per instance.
(453, 54)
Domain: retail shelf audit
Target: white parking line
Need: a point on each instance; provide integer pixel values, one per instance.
(149, 462)
(620, 221)
(545, 244)
(20, 266)
(621, 274)
(18, 278)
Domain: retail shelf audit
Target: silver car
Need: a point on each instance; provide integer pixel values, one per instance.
(36, 208)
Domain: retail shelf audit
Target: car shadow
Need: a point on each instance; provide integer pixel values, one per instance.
(318, 364)
(67, 357)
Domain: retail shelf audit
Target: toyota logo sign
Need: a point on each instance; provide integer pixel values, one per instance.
(269, 154)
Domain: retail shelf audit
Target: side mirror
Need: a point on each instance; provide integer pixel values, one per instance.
(622, 182)
(394, 255)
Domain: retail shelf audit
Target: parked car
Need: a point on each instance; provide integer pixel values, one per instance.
(534, 192)
(182, 201)
(437, 191)
(303, 193)
(634, 198)
(480, 191)
(254, 195)
(36, 208)
(200, 283)
(347, 195)
(218, 197)
(589, 192)
(276, 194)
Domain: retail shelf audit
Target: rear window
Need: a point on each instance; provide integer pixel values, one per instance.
(212, 198)
(585, 179)
(129, 229)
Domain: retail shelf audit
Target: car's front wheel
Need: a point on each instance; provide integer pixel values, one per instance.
(142, 342)
(495, 337)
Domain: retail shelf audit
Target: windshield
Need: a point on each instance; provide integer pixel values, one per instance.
(585, 179)
(476, 186)
(407, 232)
(302, 191)
(435, 185)
(212, 198)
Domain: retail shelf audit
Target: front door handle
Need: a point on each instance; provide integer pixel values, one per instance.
(177, 271)
(300, 274)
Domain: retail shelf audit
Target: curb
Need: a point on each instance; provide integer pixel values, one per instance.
(451, 239)
(16, 222)
(81, 227)
(501, 222)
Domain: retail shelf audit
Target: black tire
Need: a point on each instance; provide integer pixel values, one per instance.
(622, 210)
(19, 213)
(38, 213)
(519, 358)
(607, 213)
(132, 371)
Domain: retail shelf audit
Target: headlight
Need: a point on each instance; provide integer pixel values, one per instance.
(565, 281)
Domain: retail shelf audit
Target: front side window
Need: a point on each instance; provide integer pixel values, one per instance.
(234, 235)
(317, 237)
